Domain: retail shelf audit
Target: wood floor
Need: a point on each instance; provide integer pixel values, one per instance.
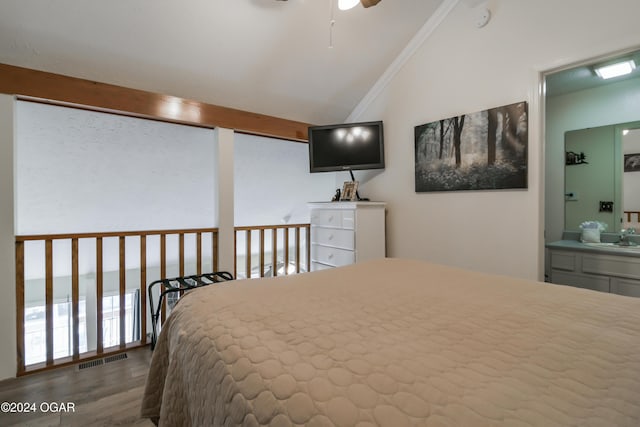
(106, 395)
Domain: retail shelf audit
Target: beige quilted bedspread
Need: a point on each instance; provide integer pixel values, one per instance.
(397, 343)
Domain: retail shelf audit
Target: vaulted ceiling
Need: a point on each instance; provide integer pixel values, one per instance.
(265, 56)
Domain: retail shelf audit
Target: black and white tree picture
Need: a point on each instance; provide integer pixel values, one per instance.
(486, 150)
(632, 162)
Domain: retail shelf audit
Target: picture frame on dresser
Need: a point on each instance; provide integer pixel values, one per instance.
(349, 191)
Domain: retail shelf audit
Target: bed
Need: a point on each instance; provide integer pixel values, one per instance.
(396, 343)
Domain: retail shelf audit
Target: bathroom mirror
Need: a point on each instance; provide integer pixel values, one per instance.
(597, 187)
(631, 177)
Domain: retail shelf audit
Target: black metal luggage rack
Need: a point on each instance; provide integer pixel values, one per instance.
(178, 284)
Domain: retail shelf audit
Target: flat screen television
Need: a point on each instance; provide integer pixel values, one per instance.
(347, 146)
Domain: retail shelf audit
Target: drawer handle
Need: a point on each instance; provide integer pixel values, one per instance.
(330, 256)
(330, 236)
(331, 218)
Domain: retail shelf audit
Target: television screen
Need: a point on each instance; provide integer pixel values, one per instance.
(348, 146)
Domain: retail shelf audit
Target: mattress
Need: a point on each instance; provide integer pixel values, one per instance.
(396, 343)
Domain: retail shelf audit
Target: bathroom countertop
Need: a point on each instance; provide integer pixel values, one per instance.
(601, 248)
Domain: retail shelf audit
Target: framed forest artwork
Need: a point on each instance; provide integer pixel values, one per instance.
(486, 150)
(632, 162)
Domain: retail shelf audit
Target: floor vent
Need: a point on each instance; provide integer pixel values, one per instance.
(115, 357)
(103, 361)
(90, 364)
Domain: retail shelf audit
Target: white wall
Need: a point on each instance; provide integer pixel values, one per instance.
(606, 105)
(273, 183)
(463, 69)
(7, 241)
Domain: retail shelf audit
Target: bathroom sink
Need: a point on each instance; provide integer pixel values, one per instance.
(634, 247)
(628, 247)
(627, 244)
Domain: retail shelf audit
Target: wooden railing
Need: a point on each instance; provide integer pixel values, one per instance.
(268, 250)
(632, 216)
(283, 250)
(47, 263)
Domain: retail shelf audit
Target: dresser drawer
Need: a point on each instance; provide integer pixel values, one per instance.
(335, 237)
(348, 219)
(332, 256)
(337, 218)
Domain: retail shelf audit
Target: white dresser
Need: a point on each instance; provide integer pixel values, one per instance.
(344, 233)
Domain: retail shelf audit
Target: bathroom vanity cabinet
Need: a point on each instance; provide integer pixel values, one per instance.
(605, 269)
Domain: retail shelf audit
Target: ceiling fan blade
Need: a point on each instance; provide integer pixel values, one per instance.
(369, 3)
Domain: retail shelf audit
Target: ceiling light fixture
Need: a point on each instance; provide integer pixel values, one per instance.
(350, 4)
(615, 70)
(369, 3)
(347, 4)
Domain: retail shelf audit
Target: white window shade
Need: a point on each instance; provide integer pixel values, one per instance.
(84, 171)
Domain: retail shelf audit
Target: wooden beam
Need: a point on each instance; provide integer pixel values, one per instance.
(181, 253)
(286, 250)
(235, 255)
(274, 252)
(163, 273)
(143, 289)
(181, 256)
(198, 253)
(20, 305)
(123, 289)
(297, 250)
(308, 228)
(99, 292)
(215, 248)
(48, 244)
(248, 254)
(75, 298)
(261, 253)
(61, 89)
(25, 238)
